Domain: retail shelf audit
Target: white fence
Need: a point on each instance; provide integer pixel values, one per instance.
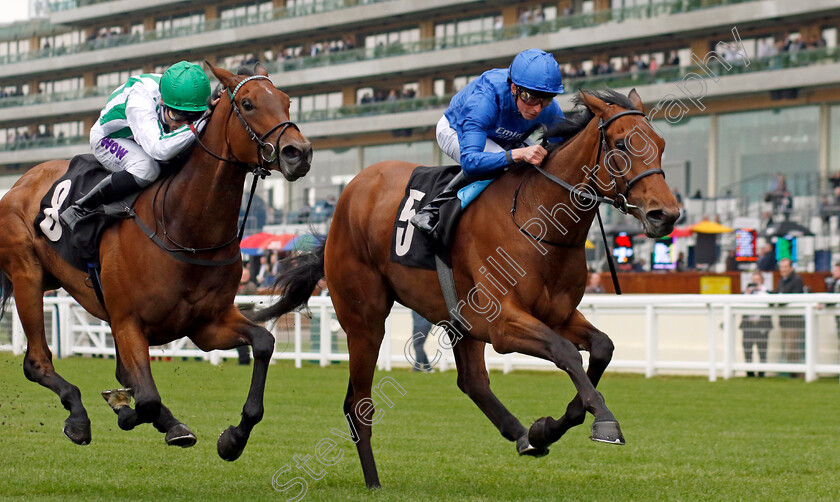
(653, 334)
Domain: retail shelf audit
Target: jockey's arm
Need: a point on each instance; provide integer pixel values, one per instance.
(141, 113)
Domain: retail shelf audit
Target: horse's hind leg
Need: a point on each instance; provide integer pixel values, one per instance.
(547, 430)
(365, 328)
(475, 383)
(232, 331)
(37, 364)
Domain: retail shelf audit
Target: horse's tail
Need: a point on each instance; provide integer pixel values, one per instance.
(5, 292)
(300, 274)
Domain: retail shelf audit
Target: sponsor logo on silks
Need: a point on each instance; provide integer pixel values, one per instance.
(113, 147)
(506, 134)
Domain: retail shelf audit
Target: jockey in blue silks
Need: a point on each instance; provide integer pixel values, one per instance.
(484, 125)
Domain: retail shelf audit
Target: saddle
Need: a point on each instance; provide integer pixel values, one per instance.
(80, 248)
(413, 248)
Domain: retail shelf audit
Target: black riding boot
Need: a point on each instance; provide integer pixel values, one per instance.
(112, 188)
(426, 220)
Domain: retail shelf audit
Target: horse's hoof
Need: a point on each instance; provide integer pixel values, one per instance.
(536, 435)
(524, 447)
(180, 435)
(227, 447)
(607, 431)
(117, 398)
(78, 432)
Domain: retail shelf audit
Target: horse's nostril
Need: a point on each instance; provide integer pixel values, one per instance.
(291, 152)
(660, 217)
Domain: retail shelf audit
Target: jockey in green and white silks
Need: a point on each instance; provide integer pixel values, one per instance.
(145, 121)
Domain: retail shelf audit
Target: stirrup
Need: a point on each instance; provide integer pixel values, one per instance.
(72, 215)
(425, 222)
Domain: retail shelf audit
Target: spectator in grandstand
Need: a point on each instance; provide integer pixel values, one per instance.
(594, 286)
(146, 121)
(767, 260)
(756, 327)
(792, 326)
(486, 121)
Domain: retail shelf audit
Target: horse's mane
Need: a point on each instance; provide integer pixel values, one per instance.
(579, 117)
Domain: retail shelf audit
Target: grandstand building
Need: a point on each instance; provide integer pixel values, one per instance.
(742, 90)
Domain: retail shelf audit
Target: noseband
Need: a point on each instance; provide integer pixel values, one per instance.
(267, 153)
(619, 201)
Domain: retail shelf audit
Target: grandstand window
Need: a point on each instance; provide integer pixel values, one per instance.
(137, 29)
(62, 40)
(393, 37)
(115, 79)
(60, 86)
(14, 47)
(69, 129)
(180, 22)
(439, 87)
(753, 146)
(301, 105)
(249, 9)
(459, 83)
(447, 33)
(331, 171)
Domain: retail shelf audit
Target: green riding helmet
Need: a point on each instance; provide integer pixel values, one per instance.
(185, 87)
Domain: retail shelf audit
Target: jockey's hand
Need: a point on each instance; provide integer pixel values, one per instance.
(533, 154)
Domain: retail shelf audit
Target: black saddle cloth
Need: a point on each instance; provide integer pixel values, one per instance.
(81, 248)
(410, 246)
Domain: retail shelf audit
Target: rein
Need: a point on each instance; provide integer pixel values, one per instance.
(266, 154)
(619, 201)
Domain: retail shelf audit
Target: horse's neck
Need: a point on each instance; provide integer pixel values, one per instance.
(539, 197)
(201, 205)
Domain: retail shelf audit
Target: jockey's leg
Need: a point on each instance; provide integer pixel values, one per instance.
(133, 169)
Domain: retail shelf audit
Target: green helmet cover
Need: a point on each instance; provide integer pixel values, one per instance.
(185, 87)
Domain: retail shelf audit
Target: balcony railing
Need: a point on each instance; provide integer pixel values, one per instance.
(506, 33)
(785, 60)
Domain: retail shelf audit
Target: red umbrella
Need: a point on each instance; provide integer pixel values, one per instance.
(681, 232)
(256, 241)
(278, 242)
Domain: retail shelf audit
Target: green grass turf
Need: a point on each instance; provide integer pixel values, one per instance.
(687, 439)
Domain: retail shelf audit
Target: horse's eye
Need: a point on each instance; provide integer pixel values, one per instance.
(247, 105)
(619, 143)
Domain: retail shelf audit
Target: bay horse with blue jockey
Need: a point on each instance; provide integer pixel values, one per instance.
(518, 261)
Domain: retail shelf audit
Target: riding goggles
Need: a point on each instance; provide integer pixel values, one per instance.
(181, 116)
(532, 98)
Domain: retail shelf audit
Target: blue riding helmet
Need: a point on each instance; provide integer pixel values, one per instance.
(536, 70)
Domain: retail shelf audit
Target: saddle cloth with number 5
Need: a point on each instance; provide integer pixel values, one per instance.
(411, 247)
(81, 249)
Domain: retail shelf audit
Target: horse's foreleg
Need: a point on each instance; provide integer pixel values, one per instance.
(474, 381)
(548, 430)
(37, 364)
(135, 371)
(520, 332)
(233, 331)
(177, 433)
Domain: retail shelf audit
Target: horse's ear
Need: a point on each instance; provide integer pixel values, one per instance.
(259, 69)
(225, 77)
(594, 104)
(636, 100)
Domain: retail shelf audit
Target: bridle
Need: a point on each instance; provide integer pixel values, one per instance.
(619, 201)
(267, 154)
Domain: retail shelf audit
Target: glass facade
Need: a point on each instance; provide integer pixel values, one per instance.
(834, 139)
(686, 156)
(755, 146)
